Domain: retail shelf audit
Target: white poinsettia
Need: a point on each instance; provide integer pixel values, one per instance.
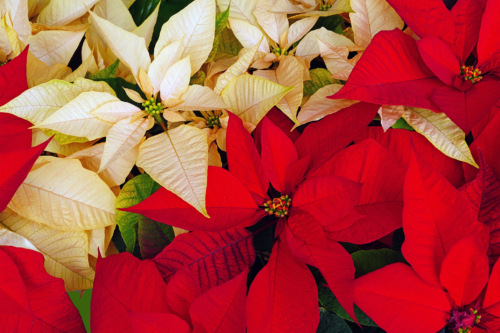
(311, 8)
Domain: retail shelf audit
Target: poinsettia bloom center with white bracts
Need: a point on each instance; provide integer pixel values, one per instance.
(311, 8)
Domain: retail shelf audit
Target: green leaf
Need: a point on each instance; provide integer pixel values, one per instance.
(83, 305)
(371, 260)
(63, 139)
(328, 300)
(401, 123)
(141, 9)
(117, 84)
(333, 23)
(320, 77)
(331, 323)
(198, 78)
(351, 248)
(153, 236)
(228, 45)
(106, 73)
(221, 21)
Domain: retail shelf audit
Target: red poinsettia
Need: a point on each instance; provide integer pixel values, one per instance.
(16, 154)
(435, 72)
(447, 249)
(355, 196)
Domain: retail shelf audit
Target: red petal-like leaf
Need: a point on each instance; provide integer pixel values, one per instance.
(489, 37)
(435, 217)
(427, 18)
(327, 198)
(14, 133)
(491, 302)
(400, 142)
(278, 154)
(467, 108)
(483, 193)
(308, 243)
(386, 297)
(125, 284)
(13, 79)
(323, 139)
(283, 297)
(243, 159)
(438, 56)
(213, 257)
(391, 71)
(31, 299)
(465, 270)
(279, 119)
(380, 206)
(222, 309)
(14, 167)
(182, 290)
(481, 125)
(467, 15)
(296, 173)
(158, 323)
(228, 203)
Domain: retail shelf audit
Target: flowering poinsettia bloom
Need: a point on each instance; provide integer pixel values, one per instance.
(311, 8)
(454, 258)
(434, 72)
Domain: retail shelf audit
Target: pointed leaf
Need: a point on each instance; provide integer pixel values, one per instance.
(13, 78)
(199, 98)
(239, 9)
(157, 323)
(115, 12)
(182, 290)
(248, 35)
(275, 25)
(491, 301)
(62, 12)
(56, 46)
(488, 44)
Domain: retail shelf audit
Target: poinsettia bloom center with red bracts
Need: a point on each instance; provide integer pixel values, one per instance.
(435, 72)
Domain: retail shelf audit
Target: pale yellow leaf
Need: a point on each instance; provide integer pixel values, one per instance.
(319, 106)
(14, 41)
(248, 35)
(81, 71)
(54, 146)
(128, 3)
(37, 72)
(115, 12)
(38, 103)
(170, 55)
(176, 79)
(196, 23)
(251, 97)
(286, 7)
(389, 114)
(77, 119)
(300, 28)
(215, 68)
(178, 160)
(18, 10)
(146, 29)
(239, 9)
(55, 47)
(145, 83)
(308, 47)
(9, 238)
(371, 17)
(221, 138)
(5, 47)
(335, 58)
(171, 102)
(173, 117)
(65, 196)
(128, 47)
(238, 68)
(214, 156)
(65, 252)
(116, 173)
(62, 12)
(441, 132)
(121, 138)
(134, 95)
(289, 74)
(338, 7)
(36, 6)
(199, 98)
(275, 25)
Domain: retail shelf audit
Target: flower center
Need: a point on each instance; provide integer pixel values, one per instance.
(151, 107)
(278, 207)
(462, 320)
(213, 121)
(324, 8)
(279, 51)
(470, 73)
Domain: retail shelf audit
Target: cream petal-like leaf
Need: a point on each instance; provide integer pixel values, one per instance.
(239, 9)
(170, 55)
(134, 95)
(249, 35)
(5, 47)
(308, 47)
(199, 98)
(286, 7)
(371, 17)
(55, 46)
(216, 68)
(300, 28)
(18, 11)
(127, 46)
(275, 25)
(319, 106)
(214, 156)
(251, 97)
(441, 132)
(121, 138)
(115, 12)
(335, 58)
(65, 196)
(389, 114)
(240, 67)
(176, 79)
(62, 12)
(173, 117)
(289, 74)
(37, 72)
(38, 137)
(9, 238)
(146, 29)
(196, 23)
(115, 110)
(128, 3)
(39, 103)
(76, 118)
(178, 160)
(81, 71)
(65, 252)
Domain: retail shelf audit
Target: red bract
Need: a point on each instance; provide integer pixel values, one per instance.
(16, 154)
(431, 73)
(31, 299)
